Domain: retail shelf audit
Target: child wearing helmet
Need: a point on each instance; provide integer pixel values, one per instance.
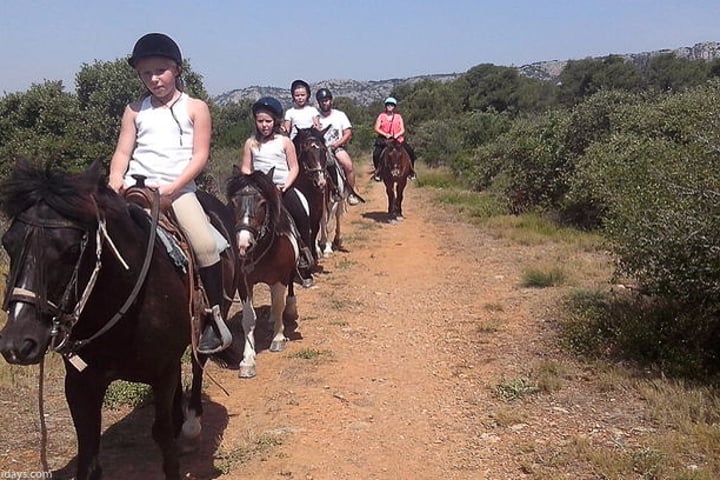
(269, 149)
(302, 114)
(166, 138)
(337, 136)
(390, 124)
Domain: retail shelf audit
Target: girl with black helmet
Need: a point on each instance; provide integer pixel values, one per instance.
(166, 138)
(269, 149)
(302, 114)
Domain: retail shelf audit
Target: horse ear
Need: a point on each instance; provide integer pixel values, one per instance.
(94, 171)
(236, 171)
(271, 172)
(22, 163)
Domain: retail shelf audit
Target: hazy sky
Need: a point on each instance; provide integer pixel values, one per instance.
(236, 44)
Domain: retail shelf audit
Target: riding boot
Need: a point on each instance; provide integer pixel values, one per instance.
(215, 336)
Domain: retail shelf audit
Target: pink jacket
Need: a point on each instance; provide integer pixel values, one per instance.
(392, 124)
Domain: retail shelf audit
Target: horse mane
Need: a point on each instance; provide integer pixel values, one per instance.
(74, 196)
(264, 183)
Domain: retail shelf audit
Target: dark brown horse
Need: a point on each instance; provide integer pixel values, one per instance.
(312, 181)
(395, 168)
(267, 253)
(88, 280)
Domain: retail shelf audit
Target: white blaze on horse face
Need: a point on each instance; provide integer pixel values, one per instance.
(245, 239)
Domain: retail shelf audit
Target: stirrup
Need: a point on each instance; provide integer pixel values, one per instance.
(221, 333)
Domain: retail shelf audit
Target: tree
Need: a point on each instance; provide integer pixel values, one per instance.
(582, 78)
(42, 124)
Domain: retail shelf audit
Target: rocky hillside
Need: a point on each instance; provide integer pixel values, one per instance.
(362, 92)
(366, 92)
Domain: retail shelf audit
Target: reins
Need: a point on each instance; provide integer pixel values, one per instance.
(154, 216)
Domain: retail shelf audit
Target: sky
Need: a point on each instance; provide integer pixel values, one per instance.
(238, 44)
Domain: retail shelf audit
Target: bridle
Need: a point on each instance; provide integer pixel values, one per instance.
(65, 316)
(246, 204)
(315, 173)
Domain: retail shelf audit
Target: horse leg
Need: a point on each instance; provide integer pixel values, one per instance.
(249, 320)
(290, 314)
(84, 393)
(399, 199)
(337, 239)
(277, 306)
(323, 235)
(162, 429)
(192, 411)
(390, 191)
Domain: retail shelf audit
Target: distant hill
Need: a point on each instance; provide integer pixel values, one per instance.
(362, 92)
(366, 92)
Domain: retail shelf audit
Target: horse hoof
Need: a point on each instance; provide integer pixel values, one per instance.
(278, 346)
(400, 218)
(247, 371)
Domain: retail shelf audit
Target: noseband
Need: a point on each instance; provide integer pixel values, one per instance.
(248, 198)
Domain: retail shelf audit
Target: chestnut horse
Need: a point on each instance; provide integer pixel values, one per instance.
(88, 280)
(395, 168)
(267, 252)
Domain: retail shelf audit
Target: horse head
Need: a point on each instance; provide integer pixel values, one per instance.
(51, 244)
(312, 155)
(256, 206)
(395, 159)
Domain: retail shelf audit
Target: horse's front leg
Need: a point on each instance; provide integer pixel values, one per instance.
(399, 198)
(84, 392)
(390, 191)
(192, 409)
(277, 307)
(249, 320)
(337, 239)
(163, 431)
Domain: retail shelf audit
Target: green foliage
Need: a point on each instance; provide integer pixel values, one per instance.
(620, 326)
(657, 179)
(582, 78)
(668, 73)
(543, 278)
(126, 394)
(43, 124)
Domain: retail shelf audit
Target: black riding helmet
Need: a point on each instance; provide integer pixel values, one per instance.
(270, 104)
(300, 83)
(322, 94)
(155, 45)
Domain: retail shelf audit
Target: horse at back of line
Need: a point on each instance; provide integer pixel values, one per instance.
(395, 169)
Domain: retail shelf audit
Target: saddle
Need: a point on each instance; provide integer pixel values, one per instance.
(177, 246)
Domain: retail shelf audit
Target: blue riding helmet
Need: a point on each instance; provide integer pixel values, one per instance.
(390, 101)
(269, 104)
(155, 45)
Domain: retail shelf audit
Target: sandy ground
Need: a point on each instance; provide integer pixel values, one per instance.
(403, 341)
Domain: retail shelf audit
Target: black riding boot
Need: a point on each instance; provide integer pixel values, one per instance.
(215, 336)
(376, 163)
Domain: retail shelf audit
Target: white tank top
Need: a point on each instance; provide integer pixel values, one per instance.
(163, 146)
(271, 154)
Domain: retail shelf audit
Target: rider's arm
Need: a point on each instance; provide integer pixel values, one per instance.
(401, 127)
(293, 166)
(378, 122)
(123, 149)
(343, 141)
(246, 162)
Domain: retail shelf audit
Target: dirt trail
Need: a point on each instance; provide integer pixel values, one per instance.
(404, 338)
